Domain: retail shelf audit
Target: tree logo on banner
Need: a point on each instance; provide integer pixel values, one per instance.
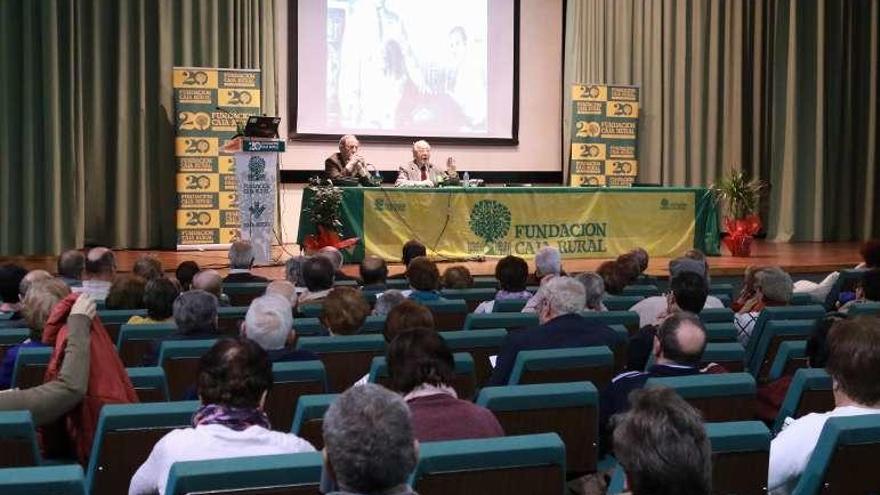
(256, 169)
(490, 220)
(257, 209)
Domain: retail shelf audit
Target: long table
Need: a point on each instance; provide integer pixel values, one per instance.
(460, 223)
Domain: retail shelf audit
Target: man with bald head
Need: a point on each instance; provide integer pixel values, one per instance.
(678, 351)
(211, 282)
(98, 273)
(70, 267)
(347, 163)
(420, 172)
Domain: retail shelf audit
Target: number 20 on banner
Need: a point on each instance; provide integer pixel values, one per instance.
(588, 151)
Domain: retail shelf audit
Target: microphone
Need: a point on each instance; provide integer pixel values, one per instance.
(239, 130)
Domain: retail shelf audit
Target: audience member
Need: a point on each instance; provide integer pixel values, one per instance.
(548, 265)
(36, 306)
(29, 279)
(195, 313)
(284, 289)
(772, 288)
(412, 249)
(374, 273)
(642, 256)
(211, 282)
(336, 258)
(854, 365)
(422, 369)
(148, 267)
(629, 267)
(293, 270)
(870, 252)
(594, 287)
(234, 379)
(99, 272)
(159, 296)
(746, 299)
(241, 260)
(613, 276)
(561, 326)
(126, 292)
(650, 309)
(868, 290)
(185, 273)
(662, 446)
(269, 323)
(56, 397)
(344, 311)
(387, 301)
(424, 280)
(406, 316)
(369, 447)
(70, 267)
(700, 257)
(512, 273)
(318, 276)
(457, 277)
(11, 276)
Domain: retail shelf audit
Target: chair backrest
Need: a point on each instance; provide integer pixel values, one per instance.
(774, 333)
(125, 437)
(149, 383)
(790, 356)
(846, 280)
(309, 418)
(629, 319)
(716, 315)
(508, 321)
(229, 319)
(720, 397)
(738, 448)
(481, 346)
(721, 332)
(485, 282)
(640, 291)
(241, 294)
(312, 327)
(473, 297)
(18, 442)
(509, 305)
(113, 319)
(346, 358)
(572, 364)
(55, 480)
(291, 474)
(311, 310)
(397, 283)
(136, 342)
(464, 382)
(809, 391)
(449, 314)
(810, 312)
(620, 303)
(568, 409)
(864, 309)
(845, 458)
(527, 464)
(727, 354)
(180, 359)
(11, 337)
(802, 299)
(718, 290)
(292, 380)
(30, 366)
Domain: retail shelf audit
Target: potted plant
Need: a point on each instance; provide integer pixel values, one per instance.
(323, 212)
(741, 198)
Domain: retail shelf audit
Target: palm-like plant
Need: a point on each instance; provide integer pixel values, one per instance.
(740, 195)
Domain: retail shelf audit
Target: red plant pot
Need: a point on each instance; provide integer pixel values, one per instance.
(739, 245)
(741, 232)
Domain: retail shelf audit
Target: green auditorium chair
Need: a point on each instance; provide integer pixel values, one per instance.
(514, 465)
(776, 332)
(720, 397)
(629, 319)
(149, 383)
(864, 309)
(312, 327)
(620, 303)
(397, 283)
(18, 440)
(345, 283)
(716, 315)
(113, 319)
(241, 294)
(641, 291)
(473, 297)
(811, 312)
(30, 366)
(509, 321)
(51, 480)
(124, 438)
(730, 355)
(485, 282)
(509, 305)
(481, 345)
(721, 332)
(311, 310)
(449, 314)
(464, 382)
(568, 409)
(136, 343)
(810, 391)
(229, 319)
(721, 290)
(571, 364)
(346, 358)
(801, 299)
(180, 359)
(308, 421)
(790, 357)
(10, 337)
(845, 458)
(292, 380)
(740, 455)
(290, 474)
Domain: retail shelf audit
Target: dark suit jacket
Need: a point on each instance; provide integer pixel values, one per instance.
(243, 278)
(569, 330)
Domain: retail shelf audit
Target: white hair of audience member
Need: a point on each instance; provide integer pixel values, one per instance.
(775, 284)
(332, 254)
(284, 289)
(29, 279)
(195, 311)
(268, 321)
(387, 301)
(241, 255)
(548, 261)
(595, 290)
(564, 295)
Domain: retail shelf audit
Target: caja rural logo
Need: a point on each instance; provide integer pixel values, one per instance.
(490, 220)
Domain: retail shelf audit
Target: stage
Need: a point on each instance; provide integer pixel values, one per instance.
(802, 258)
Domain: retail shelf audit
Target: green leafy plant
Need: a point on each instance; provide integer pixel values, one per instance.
(326, 201)
(740, 195)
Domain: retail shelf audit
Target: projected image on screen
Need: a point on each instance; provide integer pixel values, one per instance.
(404, 64)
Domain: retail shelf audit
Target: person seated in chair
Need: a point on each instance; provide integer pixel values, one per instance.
(650, 309)
(336, 258)
(548, 265)
(269, 323)
(159, 297)
(411, 250)
(512, 273)
(70, 267)
(457, 277)
(374, 273)
(867, 290)
(241, 260)
(99, 272)
(318, 275)
(773, 287)
(347, 163)
(344, 311)
(420, 172)
(424, 280)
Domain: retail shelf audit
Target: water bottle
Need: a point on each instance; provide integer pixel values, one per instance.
(377, 176)
(467, 179)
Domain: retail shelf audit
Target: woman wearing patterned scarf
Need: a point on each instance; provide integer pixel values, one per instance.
(234, 379)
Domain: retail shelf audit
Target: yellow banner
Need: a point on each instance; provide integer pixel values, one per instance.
(195, 78)
(581, 224)
(234, 97)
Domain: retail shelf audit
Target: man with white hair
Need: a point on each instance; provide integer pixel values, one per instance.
(269, 323)
(561, 326)
(420, 172)
(548, 265)
(241, 259)
(347, 163)
(336, 258)
(100, 269)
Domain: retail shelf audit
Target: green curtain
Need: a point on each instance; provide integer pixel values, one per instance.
(86, 112)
